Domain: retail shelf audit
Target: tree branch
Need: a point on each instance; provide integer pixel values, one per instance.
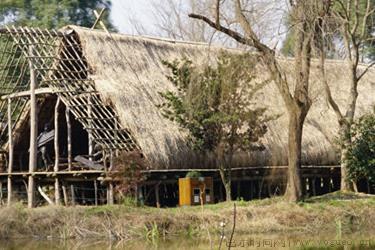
(365, 71)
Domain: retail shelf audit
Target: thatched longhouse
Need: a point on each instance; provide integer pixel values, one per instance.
(127, 71)
(109, 88)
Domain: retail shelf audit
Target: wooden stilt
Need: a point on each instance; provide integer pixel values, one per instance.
(157, 197)
(65, 195)
(1, 193)
(73, 195)
(96, 192)
(33, 131)
(57, 155)
(251, 190)
(238, 189)
(313, 186)
(69, 137)
(110, 200)
(10, 149)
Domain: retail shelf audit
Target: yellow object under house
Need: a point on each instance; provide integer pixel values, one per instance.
(195, 191)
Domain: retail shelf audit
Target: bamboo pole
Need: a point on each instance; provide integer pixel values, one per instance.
(33, 132)
(10, 149)
(57, 155)
(69, 137)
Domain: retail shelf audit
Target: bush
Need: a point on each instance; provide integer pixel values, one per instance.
(361, 153)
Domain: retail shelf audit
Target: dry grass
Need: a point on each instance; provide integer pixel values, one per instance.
(274, 215)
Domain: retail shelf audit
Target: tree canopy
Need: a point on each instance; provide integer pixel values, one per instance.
(53, 13)
(215, 104)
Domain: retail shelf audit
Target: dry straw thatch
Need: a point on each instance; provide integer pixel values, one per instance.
(127, 70)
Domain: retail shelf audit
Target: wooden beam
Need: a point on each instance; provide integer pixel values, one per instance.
(10, 149)
(27, 93)
(33, 131)
(57, 154)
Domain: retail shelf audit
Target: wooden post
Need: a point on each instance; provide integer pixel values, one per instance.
(33, 131)
(57, 155)
(157, 195)
(73, 195)
(65, 194)
(10, 153)
(96, 192)
(69, 137)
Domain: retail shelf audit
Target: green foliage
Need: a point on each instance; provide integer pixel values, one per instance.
(216, 103)
(52, 13)
(193, 174)
(361, 153)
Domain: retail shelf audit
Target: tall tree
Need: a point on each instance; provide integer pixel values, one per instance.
(304, 15)
(352, 19)
(215, 105)
(53, 13)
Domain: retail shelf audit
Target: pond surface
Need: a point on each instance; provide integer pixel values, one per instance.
(259, 241)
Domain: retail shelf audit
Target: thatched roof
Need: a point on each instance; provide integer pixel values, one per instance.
(127, 70)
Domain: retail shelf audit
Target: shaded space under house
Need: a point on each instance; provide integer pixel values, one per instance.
(102, 92)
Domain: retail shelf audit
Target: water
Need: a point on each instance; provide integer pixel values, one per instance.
(260, 241)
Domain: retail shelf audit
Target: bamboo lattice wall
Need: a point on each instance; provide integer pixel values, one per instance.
(60, 65)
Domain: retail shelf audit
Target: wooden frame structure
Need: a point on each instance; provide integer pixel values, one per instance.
(54, 62)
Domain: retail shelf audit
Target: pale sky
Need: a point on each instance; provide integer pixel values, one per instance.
(124, 11)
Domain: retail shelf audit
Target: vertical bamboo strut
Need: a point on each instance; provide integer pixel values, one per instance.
(89, 131)
(69, 137)
(10, 147)
(57, 155)
(33, 131)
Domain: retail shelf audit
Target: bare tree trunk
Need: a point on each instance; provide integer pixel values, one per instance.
(294, 186)
(346, 184)
(225, 175)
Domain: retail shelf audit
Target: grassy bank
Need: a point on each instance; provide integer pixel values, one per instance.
(327, 214)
